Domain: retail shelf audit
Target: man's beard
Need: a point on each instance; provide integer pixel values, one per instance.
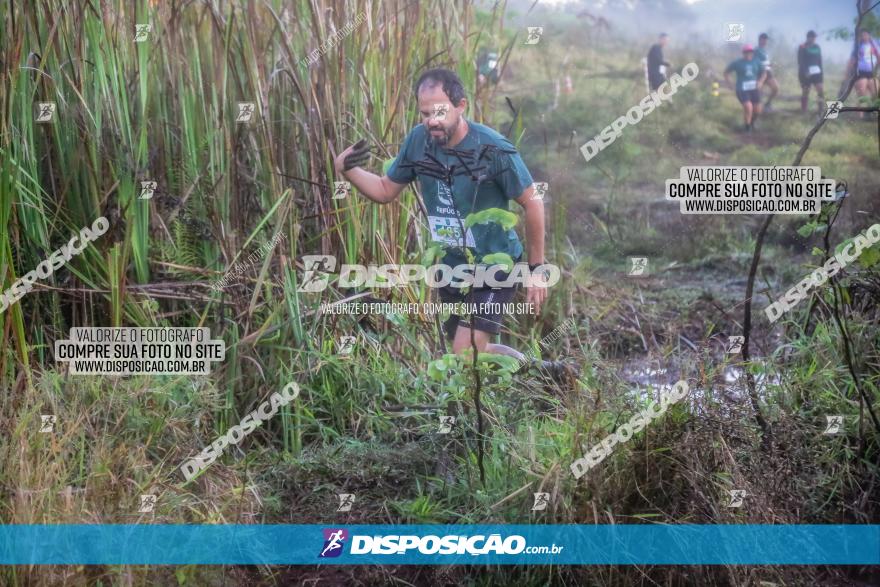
(443, 139)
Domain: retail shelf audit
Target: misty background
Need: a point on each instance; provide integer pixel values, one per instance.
(787, 22)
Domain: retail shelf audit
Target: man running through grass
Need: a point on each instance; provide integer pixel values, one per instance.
(656, 64)
(749, 77)
(463, 167)
(809, 59)
(763, 57)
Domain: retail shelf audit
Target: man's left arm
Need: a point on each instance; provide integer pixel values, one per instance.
(517, 184)
(534, 209)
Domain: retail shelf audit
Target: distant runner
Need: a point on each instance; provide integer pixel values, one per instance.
(810, 71)
(749, 78)
(864, 60)
(763, 58)
(656, 64)
(487, 68)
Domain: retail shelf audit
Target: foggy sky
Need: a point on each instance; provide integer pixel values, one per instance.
(707, 19)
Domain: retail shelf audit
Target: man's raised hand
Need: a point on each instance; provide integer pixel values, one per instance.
(356, 155)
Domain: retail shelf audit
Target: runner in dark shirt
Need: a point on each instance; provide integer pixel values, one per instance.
(656, 64)
(810, 71)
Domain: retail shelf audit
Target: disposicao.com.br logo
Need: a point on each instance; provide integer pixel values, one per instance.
(450, 544)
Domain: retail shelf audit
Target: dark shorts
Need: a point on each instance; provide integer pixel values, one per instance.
(656, 81)
(811, 80)
(488, 319)
(753, 96)
(865, 75)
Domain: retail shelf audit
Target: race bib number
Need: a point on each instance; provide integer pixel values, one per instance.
(750, 85)
(447, 230)
(814, 70)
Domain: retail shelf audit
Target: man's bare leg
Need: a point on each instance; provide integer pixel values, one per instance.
(462, 342)
(556, 370)
(774, 89)
(861, 88)
(747, 114)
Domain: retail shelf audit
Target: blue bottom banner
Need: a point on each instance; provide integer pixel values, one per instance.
(143, 544)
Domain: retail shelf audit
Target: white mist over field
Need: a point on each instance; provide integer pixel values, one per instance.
(787, 21)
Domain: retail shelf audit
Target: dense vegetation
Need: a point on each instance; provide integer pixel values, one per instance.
(164, 110)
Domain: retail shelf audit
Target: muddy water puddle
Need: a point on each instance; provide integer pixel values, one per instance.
(729, 386)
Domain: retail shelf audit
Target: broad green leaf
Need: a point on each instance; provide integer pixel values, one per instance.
(499, 259)
(437, 370)
(431, 254)
(807, 229)
(504, 361)
(506, 219)
(869, 257)
(842, 245)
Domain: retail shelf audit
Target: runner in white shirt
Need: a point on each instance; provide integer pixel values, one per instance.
(863, 63)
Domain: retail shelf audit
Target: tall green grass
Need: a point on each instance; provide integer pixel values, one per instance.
(163, 110)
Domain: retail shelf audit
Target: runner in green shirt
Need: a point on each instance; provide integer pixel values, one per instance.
(810, 72)
(749, 77)
(463, 167)
(763, 57)
(506, 178)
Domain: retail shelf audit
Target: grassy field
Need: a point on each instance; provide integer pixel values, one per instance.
(164, 110)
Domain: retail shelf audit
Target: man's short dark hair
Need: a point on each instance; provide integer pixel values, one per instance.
(663, 35)
(451, 83)
(812, 34)
(763, 36)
